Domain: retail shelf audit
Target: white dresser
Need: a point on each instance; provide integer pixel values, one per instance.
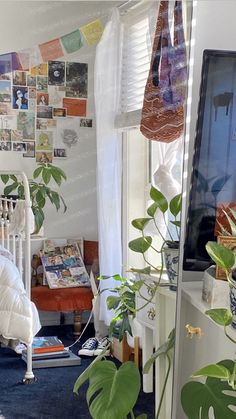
(157, 319)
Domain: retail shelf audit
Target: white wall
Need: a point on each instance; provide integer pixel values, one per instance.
(24, 24)
(214, 28)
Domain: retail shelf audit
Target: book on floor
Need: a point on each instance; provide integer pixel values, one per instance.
(44, 344)
(69, 361)
(47, 355)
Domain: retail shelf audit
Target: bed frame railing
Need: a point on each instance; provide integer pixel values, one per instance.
(19, 245)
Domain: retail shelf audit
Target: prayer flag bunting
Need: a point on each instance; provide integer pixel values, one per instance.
(51, 50)
(92, 32)
(72, 41)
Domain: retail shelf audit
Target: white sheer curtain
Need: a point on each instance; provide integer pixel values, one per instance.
(109, 155)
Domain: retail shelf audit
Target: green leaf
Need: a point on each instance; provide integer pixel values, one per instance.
(40, 199)
(113, 302)
(56, 175)
(145, 271)
(159, 198)
(64, 204)
(21, 191)
(37, 172)
(46, 175)
(124, 325)
(175, 205)
(14, 178)
(107, 395)
(5, 178)
(10, 188)
(140, 245)
(143, 416)
(152, 209)
(85, 374)
(197, 398)
(117, 277)
(221, 316)
(213, 370)
(55, 199)
(59, 170)
(162, 350)
(231, 223)
(222, 256)
(39, 218)
(140, 223)
(176, 223)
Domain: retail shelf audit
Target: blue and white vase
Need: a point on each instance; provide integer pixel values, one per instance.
(172, 266)
(232, 298)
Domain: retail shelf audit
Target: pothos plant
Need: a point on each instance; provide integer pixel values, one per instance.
(40, 192)
(219, 389)
(123, 300)
(107, 394)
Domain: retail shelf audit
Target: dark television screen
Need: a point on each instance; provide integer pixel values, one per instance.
(213, 182)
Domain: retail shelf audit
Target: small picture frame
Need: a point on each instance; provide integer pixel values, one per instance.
(230, 243)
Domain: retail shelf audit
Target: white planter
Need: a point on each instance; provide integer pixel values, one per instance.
(172, 266)
(136, 331)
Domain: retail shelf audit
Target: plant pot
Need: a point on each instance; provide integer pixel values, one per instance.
(136, 331)
(232, 298)
(171, 256)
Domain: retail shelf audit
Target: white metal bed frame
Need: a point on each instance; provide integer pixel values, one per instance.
(20, 247)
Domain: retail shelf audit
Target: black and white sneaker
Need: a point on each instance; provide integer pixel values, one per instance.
(89, 347)
(104, 345)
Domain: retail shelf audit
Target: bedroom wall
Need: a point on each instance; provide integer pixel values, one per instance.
(25, 24)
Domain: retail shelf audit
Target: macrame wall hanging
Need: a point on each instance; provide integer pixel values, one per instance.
(165, 92)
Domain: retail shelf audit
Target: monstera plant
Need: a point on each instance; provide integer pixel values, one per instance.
(218, 392)
(40, 191)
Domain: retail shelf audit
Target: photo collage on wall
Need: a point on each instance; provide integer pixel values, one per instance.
(34, 103)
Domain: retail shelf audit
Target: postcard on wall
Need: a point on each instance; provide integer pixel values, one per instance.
(75, 107)
(42, 99)
(8, 121)
(32, 105)
(44, 112)
(26, 123)
(44, 140)
(5, 66)
(64, 267)
(55, 96)
(43, 157)
(30, 149)
(31, 80)
(56, 73)
(19, 78)
(16, 135)
(5, 135)
(32, 92)
(59, 152)
(5, 91)
(59, 112)
(67, 132)
(86, 123)
(21, 147)
(5, 108)
(20, 96)
(5, 146)
(76, 80)
(42, 84)
(40, 70)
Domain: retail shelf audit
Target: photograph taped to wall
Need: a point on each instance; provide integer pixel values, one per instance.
(16, 135)
(43, 157)
(32, 93)
(5, 91)
(5, 108)
(5, 67)
(5, 135)
(86, 123)
(230, 243)
(76, 80)
(20, 96)
(40, 70)
(59, 152)
(42, 99)
(59, 112)
(31, 80)
(67, 132)
(56, 73)
(20, 147)
(19, 78)
(32, 105)
(44, 112)
(44, 140)
(26, 123)
(42, 84)
(75, 107)
(5, 146)
(30, 149)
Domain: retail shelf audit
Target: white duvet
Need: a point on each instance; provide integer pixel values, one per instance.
(18, 315)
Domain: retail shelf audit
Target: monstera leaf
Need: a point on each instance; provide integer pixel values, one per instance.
(111, 393)
(197, 398)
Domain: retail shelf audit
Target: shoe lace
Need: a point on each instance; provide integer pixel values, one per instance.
(89, 343)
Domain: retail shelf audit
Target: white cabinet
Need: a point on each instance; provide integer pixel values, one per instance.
(157, 319)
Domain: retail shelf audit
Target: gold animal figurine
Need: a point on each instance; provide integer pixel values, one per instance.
(193, 331)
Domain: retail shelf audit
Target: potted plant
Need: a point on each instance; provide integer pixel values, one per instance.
(40, 192)
(218, 392)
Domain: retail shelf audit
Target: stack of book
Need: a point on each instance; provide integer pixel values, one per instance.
(49, 351)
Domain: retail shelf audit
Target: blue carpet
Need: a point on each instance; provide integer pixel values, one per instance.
(52, 396)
